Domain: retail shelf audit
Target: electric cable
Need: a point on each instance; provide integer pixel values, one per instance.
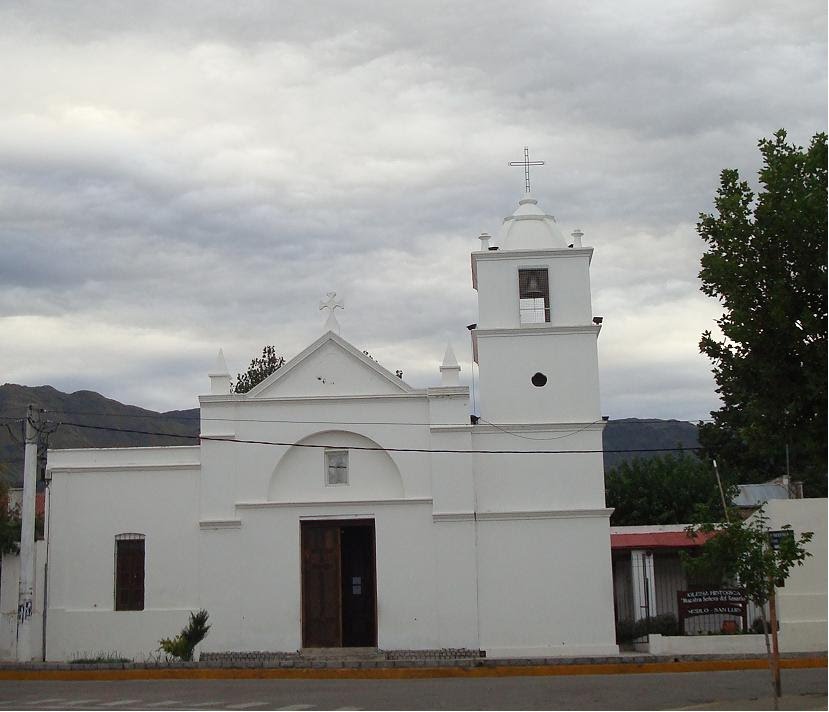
(194, 418)
(219, 438)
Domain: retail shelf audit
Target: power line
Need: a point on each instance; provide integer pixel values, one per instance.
(213, 438)
(312, 422)
(555, 437)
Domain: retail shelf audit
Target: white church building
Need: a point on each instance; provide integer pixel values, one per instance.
(335, 505)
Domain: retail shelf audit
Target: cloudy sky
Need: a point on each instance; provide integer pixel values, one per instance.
(180, 176)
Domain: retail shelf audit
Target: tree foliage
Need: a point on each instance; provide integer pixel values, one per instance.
(259, 370)
(9, 518)
(669, 489)
(740, 551)
(766, 264)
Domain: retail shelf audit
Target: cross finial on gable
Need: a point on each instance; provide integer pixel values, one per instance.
(331, 323)
(526, 163)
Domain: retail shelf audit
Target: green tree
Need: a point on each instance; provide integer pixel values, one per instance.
(741, 552)
(670, 489)
(766, 264)
(9, 518)
(259, 370)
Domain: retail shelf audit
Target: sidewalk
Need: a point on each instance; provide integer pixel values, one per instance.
(298, 666)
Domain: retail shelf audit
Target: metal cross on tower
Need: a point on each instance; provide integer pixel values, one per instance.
(526, 163)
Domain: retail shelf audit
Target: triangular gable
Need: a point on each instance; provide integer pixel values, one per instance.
(329, 367)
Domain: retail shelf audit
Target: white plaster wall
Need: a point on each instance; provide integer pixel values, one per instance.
(508, 361)
(9, 595)
(545, 587)
(243, 472)
(456, 579)
(224, 464)
(221, 565)
(91, 459)
(448, 405)
(261, 609)
(569, 280)
(329, 371)
(705, 644)
(453, 487)
(87, 510)
(539, 481)
(300, 475)
(802, 602)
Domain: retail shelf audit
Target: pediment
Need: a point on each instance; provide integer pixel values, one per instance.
(329, 367)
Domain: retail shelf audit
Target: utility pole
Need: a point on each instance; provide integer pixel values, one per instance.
(25, 598)
(722, 493)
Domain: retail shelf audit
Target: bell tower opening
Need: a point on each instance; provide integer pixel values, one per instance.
(534, 296)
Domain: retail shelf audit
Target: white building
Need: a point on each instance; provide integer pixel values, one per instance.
(335, 505)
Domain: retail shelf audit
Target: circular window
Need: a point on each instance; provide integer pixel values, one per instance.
(539, 379)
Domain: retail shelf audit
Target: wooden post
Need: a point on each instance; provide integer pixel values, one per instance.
(775, 649)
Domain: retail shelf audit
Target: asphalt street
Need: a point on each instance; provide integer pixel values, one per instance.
(748, 689)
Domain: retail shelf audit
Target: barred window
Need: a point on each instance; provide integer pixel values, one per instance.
(336, 467)
(129, 572)
(533, 296)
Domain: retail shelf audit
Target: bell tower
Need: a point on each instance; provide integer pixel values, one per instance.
(535, 340)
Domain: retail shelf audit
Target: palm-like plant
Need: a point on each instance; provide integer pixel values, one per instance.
(183, 645)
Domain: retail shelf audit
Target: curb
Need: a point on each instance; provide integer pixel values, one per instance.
(67, 673)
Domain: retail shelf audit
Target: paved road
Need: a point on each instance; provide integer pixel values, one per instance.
(749, 689)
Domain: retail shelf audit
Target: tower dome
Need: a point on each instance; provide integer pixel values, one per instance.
(530, 228)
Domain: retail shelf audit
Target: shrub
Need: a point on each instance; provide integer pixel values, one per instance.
(664, 624)
(757, 625)
(183, 645)
(110, 656)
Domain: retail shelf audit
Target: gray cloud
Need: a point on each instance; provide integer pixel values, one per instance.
(179, 176)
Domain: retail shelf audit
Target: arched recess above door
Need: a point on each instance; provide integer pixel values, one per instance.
(300, 475)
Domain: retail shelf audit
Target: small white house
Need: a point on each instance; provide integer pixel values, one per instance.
(335, 505)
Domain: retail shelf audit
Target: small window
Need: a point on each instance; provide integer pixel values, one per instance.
(129, 572)
(336, 467)
(533, 296)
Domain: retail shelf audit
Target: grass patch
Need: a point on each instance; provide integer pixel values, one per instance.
(86, 658)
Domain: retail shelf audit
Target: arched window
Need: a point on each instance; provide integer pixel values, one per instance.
(129, 572)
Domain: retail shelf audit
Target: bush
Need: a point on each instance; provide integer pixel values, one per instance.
(110, 656)
(183, 645)
(757, 625)
(626, 631)
(665, 624)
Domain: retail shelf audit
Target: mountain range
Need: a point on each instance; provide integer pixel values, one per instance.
(82, 413)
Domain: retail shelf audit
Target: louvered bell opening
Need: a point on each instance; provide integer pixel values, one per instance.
(534, 296)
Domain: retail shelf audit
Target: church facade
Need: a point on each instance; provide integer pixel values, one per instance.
(335, 505)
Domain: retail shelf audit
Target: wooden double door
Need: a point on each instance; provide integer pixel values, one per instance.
(339, 591)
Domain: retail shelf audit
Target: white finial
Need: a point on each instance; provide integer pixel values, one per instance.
(484, 237)
(450, 370)
(219, 376)
(577, 234)
(331, 323)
